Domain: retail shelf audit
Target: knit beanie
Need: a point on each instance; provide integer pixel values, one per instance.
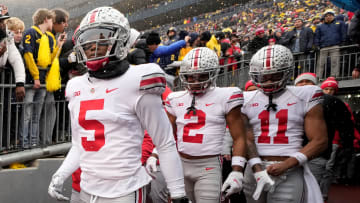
(306, 76)
(153, 38)
(330, 82)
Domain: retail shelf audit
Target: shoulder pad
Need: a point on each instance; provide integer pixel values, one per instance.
(152, 80)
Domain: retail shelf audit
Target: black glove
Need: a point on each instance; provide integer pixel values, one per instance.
(180, 200)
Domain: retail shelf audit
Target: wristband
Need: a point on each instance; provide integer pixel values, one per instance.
(254, 161)
(300, 157)
(154, 151)
(238, 161)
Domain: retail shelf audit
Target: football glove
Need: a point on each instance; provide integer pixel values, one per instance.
(233, 183)
(263, 183)
(55, 188)
(151, 165)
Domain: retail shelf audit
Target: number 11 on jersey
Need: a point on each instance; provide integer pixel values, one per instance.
(280, 137)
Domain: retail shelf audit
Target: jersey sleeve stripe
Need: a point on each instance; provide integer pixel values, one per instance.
(318, 94)
(152, 82)
(235, 96)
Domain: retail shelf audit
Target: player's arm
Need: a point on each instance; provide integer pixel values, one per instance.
(263, 180)
(251, 152)
(172, 120)
(237, 132)
(151, 113)
(68, 167)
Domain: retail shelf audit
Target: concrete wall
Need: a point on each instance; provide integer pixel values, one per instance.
(30, 185)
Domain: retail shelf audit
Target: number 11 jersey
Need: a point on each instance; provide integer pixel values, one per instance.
(280, 132)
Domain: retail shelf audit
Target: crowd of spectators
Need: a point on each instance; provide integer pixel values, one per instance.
(306, 27)
(235, 33)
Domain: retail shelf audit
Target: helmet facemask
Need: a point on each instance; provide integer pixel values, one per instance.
(270, 68)
(199, 83)
(270, 83)
(97, 44)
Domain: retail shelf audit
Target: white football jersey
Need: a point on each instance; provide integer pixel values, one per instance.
(280, 133)
(203, 133)
(107, 130)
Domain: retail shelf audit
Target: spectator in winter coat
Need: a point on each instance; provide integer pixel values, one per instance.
(258, 42)
(354, 34)
(153, 41)
(300, 39)
(328, 37)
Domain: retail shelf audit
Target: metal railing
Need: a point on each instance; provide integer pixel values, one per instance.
(237, 73)
(12, 111)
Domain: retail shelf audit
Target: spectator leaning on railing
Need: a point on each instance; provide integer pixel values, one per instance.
(10, 54)
(329, 36)
(39, 51)
(10, 57)
(16, 27)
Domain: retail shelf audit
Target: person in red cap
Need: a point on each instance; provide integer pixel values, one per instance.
(306, 79)
(272, 41)
(250, 86)
(259, 41)
(330, 86)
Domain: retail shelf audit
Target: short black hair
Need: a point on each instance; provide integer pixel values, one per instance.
(153, 38)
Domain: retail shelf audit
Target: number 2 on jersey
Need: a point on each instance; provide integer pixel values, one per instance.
(280, 137)
(99, 137)
(198, 138)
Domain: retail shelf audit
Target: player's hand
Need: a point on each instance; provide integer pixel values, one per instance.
(227, 157)
(355, 73)
(277, 168)
(61, 39)
(263, 183)
(20, 93)
(151, 165)
(72, 57)
(233, 183)
(55, 188)
(36, 84)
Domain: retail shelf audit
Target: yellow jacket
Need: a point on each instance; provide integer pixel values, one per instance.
(214, 45)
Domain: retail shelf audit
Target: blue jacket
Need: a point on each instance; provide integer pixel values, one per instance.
(331, 34)
(163, 51)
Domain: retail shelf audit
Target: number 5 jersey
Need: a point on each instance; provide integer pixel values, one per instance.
(280, 132)
(202, 133)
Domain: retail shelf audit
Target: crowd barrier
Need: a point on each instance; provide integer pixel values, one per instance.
(232, 74)
(237, 73)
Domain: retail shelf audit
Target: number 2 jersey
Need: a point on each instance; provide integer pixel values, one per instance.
(202, 133)
(108, 128)
(280, 132)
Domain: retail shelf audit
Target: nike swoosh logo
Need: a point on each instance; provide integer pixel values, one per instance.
(208, 169)
(110, 90)
(290, 104)
(209, 104)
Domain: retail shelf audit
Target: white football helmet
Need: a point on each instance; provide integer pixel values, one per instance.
(199, 70)
(271, 63)
(105, 33)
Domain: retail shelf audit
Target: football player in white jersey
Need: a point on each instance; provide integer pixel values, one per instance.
(200, 128)
(110, 106)
(277, 117)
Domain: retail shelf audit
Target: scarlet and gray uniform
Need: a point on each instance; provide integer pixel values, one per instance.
(108, 119)
(202, 134)
(280, 133)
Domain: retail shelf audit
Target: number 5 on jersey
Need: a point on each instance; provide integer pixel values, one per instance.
(97, 126)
